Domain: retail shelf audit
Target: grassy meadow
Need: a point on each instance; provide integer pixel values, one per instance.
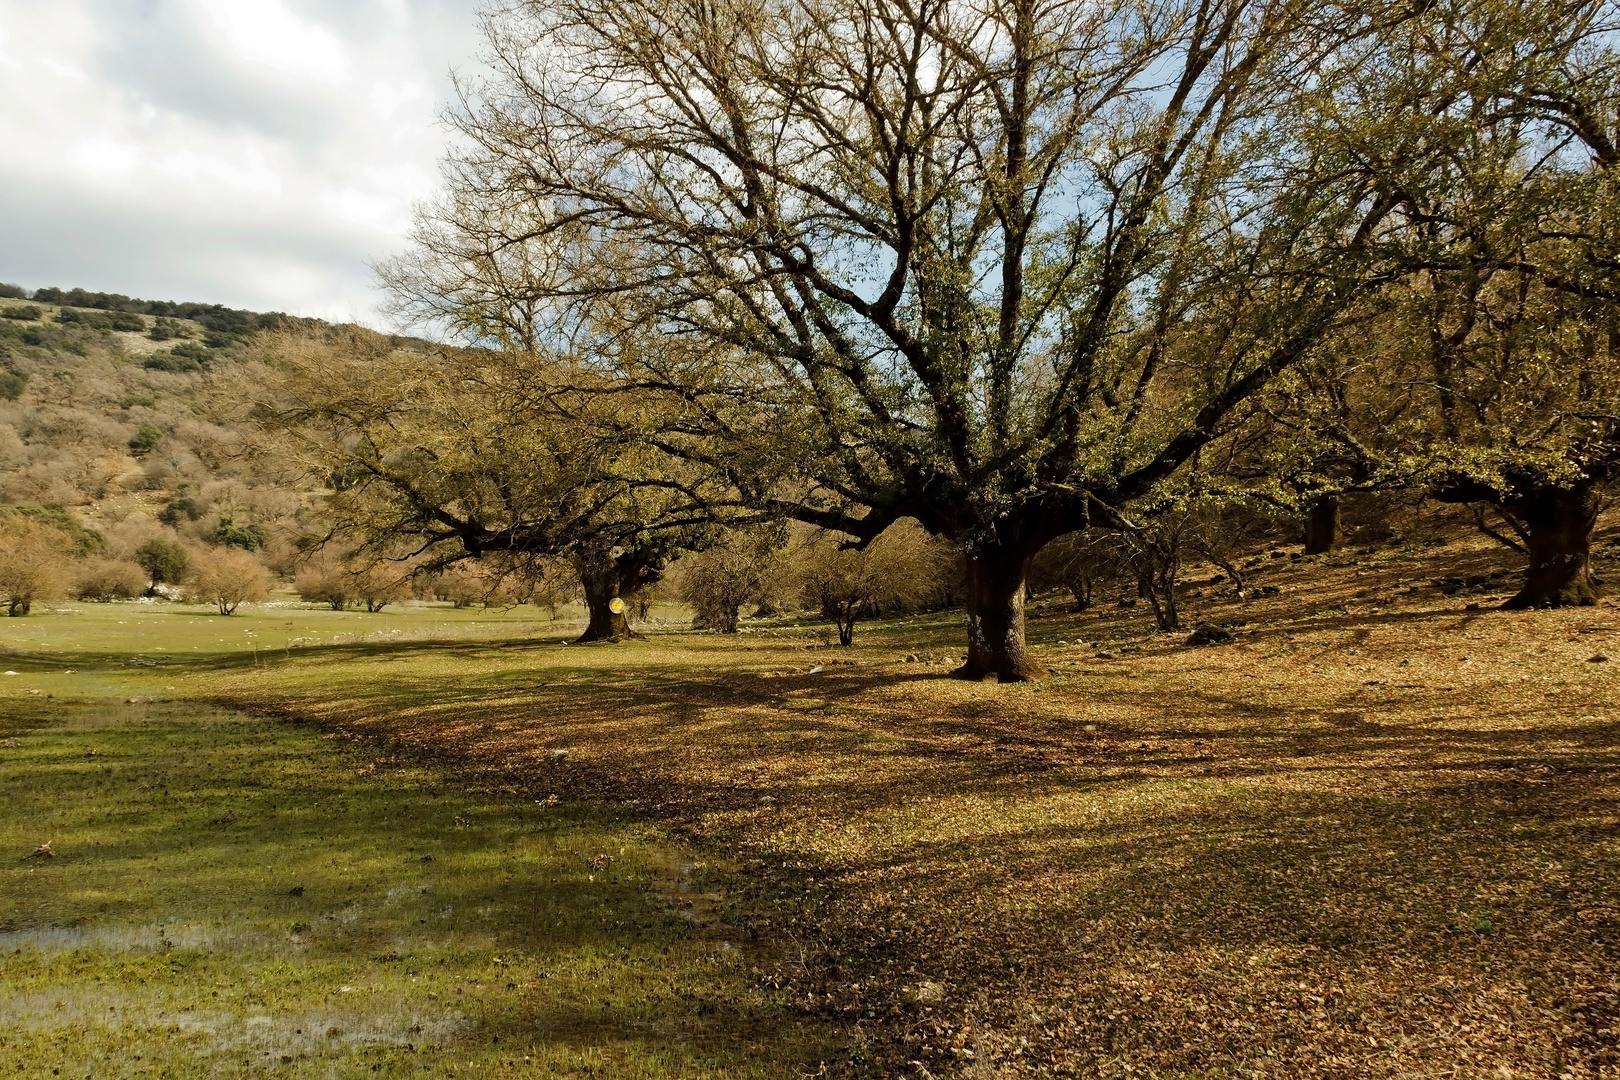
(227, 896)
(1376, 835)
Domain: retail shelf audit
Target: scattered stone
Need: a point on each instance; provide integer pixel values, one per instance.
(929, 993)
(911, 658)
(1104, 655)
(766, 800)
(557, 757)
(817, 670)
(549, 800)
(10, 744)
(1597, 659)
(1091, 727)
(1471, 607)
(1209, 634)
(11, 673)
(43, 852)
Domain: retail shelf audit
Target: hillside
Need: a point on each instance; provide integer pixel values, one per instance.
(104, 412)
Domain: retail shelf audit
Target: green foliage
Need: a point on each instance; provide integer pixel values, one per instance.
(146, 440)
(164, 561)
(101, 320)
(24, 313)
(165, 328)
(250, 537)
(230, 323)
(12, 383)
(187, 357)
(12, 292)
(182, 508)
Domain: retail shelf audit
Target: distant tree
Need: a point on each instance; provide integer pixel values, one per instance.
(479, 455)
(901, 569)
(1079, 563)
(164, 561)
(13, 292)
(32, 564)
(378, 584)
(227, 578)
(737, 570)
(323, 581)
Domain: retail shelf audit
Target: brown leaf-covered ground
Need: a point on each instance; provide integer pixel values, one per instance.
(1376, 835)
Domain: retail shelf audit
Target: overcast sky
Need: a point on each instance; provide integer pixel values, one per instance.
(255, 153)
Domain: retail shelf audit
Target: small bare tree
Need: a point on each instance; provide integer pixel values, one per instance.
(32, 567)
(899, 570)
(227, 578)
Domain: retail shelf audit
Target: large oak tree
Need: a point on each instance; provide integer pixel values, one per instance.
(1001, 266)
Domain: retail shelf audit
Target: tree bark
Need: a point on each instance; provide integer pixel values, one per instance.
(1322, 525)
(1558, 526)
(602, 587)
(995, 616)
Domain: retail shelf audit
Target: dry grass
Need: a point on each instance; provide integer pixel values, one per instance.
(1377, 835)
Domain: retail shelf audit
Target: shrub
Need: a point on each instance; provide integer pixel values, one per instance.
(102, 580)
(123, 320)
(227, 578)
(164, 561)
(145, 440)
(187, 357)
(12, 292)
(25, 313)
(12, 383)
(165, 328)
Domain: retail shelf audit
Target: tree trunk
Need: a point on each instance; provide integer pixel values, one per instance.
(995, 616)
(1558, 526)
(601, 589)
(846, 631)
(1322, 525)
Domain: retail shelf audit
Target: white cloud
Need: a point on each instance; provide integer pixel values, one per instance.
(253, 152)
(267, 34)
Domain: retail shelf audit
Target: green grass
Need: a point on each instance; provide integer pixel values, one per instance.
(436, 931)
